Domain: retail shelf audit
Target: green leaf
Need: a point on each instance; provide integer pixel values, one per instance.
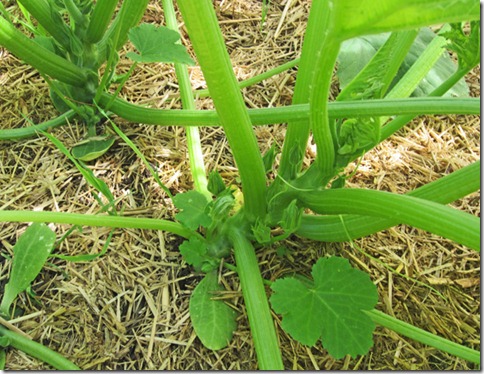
(357, 52)
(213, 320)
(331, 308)
(261, 231)
(157, 44)
(216, 184)
(92, 148)
(355, 136)
(269, 158)
(467, 47)
(356, 17)
(194, 251)
(291, 217)
(29, 255)
(193, 206)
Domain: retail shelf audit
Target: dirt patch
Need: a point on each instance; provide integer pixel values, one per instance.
(128, 310)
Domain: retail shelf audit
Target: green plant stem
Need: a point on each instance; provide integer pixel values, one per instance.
(74, 12)
(100, 19)
(28, 131)
(444, 190)
(208, 43)
(99, 220)
(39, 57)
(258, 311)
(462, 227)
(397, 123)
(37, 350)
(265, 116)
(49, 19)
(423, 336)
(297, 133)
(128, 16)
(195, 153)
(256, 79)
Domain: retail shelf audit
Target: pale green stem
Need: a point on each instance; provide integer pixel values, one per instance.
(195, 153)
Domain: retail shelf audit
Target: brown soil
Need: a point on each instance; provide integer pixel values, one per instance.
(128, 310)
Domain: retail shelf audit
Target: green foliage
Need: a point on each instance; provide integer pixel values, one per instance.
(216, 184)
(193, 206)
(333, 305)
(30, 253)
(356, 136)
(92, 148)
(332, 308)
(466, 46)
(157, 44)
(357, 52)
(213, 320)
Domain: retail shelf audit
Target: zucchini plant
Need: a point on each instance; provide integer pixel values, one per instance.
(74, 38)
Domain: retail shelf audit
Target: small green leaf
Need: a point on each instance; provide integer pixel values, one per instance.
(331, 308)
(216, 184)
(269, 158)
(157, 44)
(194, 251)
(29, 255)
(356, 136)
(213, 320)
(92, 148)
(193, 206)
(291, 217)
(261, 231)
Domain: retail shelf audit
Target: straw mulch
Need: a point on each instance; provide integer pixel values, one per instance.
(129, 308)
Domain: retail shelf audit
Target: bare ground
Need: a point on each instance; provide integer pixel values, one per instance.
(129, 308)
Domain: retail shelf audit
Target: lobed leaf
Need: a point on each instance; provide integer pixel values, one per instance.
(157, 44)
(213, 320)
(332, 308)
(193, 206)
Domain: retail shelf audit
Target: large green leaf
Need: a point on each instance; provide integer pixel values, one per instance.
(29, 255)
(331, 308)
(360, 17)
(213, 320)
(357, 52)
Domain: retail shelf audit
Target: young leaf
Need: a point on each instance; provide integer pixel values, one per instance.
(92, 148)
(194, 209)
(194, 251)
(261, 231)
(213, 320)
(157, 44)
(29, 255)
(331, 308)
(216, 184)
(291, 217)
(269, 158)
